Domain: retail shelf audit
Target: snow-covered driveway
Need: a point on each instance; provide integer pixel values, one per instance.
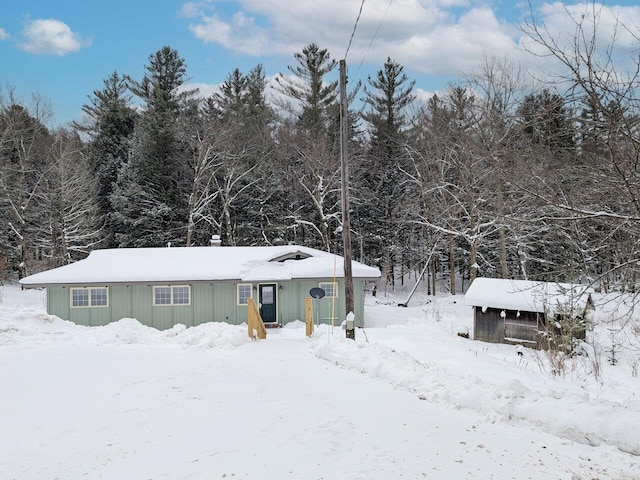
(127, 402)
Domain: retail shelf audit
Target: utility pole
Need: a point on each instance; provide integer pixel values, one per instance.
(346, 222)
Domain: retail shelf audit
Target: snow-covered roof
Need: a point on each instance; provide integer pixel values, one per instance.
(194, 264)
(527, 296)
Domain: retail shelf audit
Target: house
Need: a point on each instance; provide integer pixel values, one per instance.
(162, 287)
(526, 312)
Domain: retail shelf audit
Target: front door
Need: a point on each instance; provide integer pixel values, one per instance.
(267, 299)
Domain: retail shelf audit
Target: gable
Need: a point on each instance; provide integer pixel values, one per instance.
(297, 255)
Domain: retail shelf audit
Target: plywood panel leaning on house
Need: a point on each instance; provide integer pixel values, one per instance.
(308, 320)
(255, 325)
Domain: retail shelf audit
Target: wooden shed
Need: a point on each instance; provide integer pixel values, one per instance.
(162, 287)
(526, 312)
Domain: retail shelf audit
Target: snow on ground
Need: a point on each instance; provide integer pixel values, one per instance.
(408, 399)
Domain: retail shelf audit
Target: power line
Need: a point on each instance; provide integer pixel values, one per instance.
(375, 34)
(355, 25)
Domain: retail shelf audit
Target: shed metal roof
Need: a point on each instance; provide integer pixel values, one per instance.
(528, 296)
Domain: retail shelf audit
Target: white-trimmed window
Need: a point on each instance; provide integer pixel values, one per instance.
(172, 295)
(330, 289)
(244, 293)
(89, 297)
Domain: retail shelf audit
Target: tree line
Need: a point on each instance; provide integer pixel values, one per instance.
(496, 176)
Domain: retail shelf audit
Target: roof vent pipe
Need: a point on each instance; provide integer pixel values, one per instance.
(215, 241)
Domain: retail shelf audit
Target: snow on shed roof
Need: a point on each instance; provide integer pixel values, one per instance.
(527, 296)
(186, 264)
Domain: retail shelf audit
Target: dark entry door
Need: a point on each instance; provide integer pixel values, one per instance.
(267, 299)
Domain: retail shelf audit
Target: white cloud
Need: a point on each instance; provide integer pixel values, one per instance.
(191, 10)
(3, 34)
(610, 22)
(612, 29)
(212, 30)
(424, 35)
(435, 37)
(452, 47)
(240, 34)
(51, 37)
(205, 90)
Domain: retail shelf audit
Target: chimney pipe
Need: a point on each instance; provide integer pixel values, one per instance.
(215, 241)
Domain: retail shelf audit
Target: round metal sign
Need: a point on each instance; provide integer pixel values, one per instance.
(317, 293)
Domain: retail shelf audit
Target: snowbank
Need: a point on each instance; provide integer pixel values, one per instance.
(475, 387)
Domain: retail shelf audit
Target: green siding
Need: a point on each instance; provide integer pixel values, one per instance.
(202, 302)
(224, 305)
(141, 306)
(121, 301)
(209, 302)
(289, 309)
(58, 302)
(293, 294)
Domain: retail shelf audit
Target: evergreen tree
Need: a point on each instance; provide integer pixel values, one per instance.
(309, 88)
(230, 103)
(111, 128)
(384, 187)
(159, 158)
(136, 212)
(310, 153)
(258, 211)
(259, 112)
(547, 122)
(232, 147)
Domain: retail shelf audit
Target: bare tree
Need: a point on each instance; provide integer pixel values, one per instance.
(604, 94)
(457, 178)
(24, 145)
(73, 225)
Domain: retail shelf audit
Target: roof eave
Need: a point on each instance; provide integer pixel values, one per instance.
(76, 284)
(125, 283)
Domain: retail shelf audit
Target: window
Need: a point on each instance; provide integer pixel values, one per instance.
(180, 295)
(99, 297)
(79, 297)
(89, 297)
(172, 295)
(245, 292)
(330, 289)
(162, 295)
(267, 296)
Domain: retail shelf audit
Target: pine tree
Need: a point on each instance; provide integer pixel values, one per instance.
(317, 97)
(136, 212)
(547, 122)
(310, 158)
(232, 149)
(111, 127)
(159, 157)
(230, 103)
(383, 186)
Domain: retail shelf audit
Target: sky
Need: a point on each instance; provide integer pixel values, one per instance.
(63, 50)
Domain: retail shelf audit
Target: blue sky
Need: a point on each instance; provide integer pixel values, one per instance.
(64, 49)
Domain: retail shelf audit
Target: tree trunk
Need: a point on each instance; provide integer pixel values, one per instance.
(452, 264)
(473, 256)
(503, 253)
